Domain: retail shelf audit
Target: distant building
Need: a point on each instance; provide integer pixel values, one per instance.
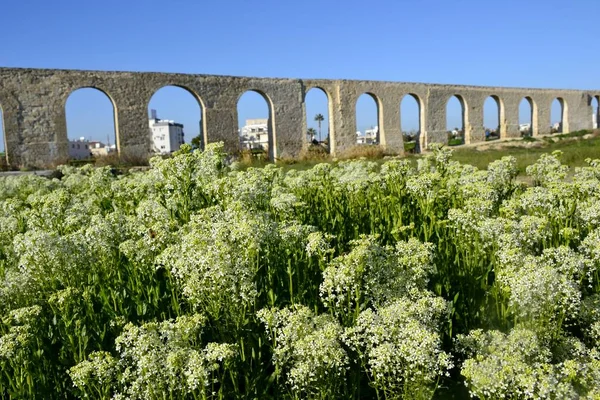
(79, 149)
(167, 135)
(99, 149)
(556, 127)
(594, 121)
(370, 136)
(255, 134)
(524, 127)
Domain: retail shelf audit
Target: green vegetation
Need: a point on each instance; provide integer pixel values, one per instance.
(410, 146)
(356, 280)
(574, 152)
(455, 142)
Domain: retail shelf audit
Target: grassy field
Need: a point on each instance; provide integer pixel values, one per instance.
(526, 151)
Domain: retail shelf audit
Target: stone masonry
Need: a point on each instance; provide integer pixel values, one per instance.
(33, 110)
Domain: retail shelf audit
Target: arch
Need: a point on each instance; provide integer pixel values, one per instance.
(365, 120)
(412, 122)
(256, 132)
(595, 103)
(527, 117)
(493, 115)
(84, 132)
(456, 117)
(178, 110)
(558, 116)
(313, 107)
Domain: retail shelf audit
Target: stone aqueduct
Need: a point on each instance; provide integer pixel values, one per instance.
(33, 108)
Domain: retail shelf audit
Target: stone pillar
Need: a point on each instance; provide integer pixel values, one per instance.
(423, 105)
(597, 112)
(221, 123)
(435, 118)
(345, 119)
(131, 122)
(510, 122)
(579, 111)
(36, 128)
(390, 132)
(542, 124)
(12, 127)
(473, 119)
(288, 120)
(338, 137)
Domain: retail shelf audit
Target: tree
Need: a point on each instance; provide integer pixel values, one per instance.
(311, 135)
(196, 142)
(319, 118)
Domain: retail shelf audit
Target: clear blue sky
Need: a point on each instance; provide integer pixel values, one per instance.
(532, 43)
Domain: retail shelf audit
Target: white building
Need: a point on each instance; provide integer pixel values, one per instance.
(99, 149)
(255, 134)
(524, 127)
(79, 149)
(594, 121)
(370, 136)
(167, 135)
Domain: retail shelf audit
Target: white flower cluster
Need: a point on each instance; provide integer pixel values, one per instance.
(308, 350)
(371, 275)
(319, 244)
(156, 360)
(185, 183)
(547, 169)
(400, 345)
(21, 325)
(544, 290)
(285, 204)
(216, 258)
(519, 365)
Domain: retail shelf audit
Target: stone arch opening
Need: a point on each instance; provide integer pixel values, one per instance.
(558, 116)
(411, 122)
(492, 117)
(367, 111)
(455, 120)
(175, 117)
(92, 129)
(595, 111)
(527, 117)
(318, 118)
(255, 125)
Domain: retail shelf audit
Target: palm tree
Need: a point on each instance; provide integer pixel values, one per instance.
(319, 118)
(311, 134)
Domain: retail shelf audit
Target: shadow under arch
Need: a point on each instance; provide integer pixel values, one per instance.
(197, 97)
(271, 132)
(114, 109)
(330, 126)
(420, 139)
(380, 135)
(464, 113)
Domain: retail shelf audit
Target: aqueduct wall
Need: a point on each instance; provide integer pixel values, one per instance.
(33, 107)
